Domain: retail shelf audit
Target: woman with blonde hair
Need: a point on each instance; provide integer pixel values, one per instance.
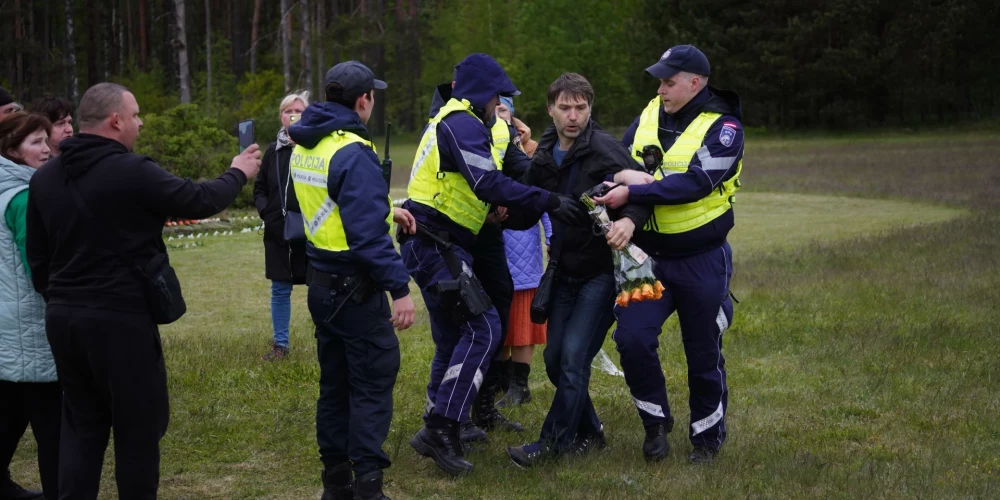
(284, 236)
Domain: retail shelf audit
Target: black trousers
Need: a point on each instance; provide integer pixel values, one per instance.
(358, 360)
(111, 368)
(39, 404)
(490, 266)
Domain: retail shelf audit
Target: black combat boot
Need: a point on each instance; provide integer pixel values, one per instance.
(472, 434)
(441, 440)
(338, 482)
(10, 489)
(505, 375)
(656, 447)
(486, 416)
(369, 487)
(703, 455)
(518, 392)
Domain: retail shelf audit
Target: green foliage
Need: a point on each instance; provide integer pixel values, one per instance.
(260, 95)
(152, 89)
(185, 141)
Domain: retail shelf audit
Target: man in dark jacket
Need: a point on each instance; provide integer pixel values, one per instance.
(105, 344)
(691, 137)
(573, 156)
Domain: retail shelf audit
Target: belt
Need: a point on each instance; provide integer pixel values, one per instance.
(333, 281)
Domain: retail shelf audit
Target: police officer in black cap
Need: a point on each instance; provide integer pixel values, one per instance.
(346, 216)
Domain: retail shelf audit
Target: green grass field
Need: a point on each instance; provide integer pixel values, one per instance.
(862, 358)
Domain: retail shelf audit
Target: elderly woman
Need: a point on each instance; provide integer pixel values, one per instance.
(274, 197)
(29, 390)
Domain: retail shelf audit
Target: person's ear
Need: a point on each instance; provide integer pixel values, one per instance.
(549, 108)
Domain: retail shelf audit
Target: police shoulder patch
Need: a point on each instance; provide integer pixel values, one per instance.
(726, 136)
(731, 125)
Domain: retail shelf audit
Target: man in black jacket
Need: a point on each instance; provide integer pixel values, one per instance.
(573, 156)
(105, 343)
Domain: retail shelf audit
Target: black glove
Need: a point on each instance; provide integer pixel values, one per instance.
(569, 211)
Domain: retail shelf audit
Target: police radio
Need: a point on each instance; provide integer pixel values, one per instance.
(652, 157)
(386, 162)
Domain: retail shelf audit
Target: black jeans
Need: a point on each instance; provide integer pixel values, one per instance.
(358, 360)
(39, 404)
(111, 368)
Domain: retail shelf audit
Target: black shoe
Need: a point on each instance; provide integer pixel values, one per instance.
(338, 482)
(593, 442)
(472, 434)
(277, 353)
(530, 454)
(13, 491)
(370, 487)
(703, 455)
(656, 447)
(518, 393)
(489, 418)
(444, 446)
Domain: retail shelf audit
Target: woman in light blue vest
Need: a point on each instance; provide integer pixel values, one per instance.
(29, 390)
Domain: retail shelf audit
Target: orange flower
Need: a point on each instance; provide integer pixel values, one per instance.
(647, 291)
(622, 299)
(637, 295)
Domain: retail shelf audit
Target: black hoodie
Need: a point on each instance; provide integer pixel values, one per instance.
(73, 260)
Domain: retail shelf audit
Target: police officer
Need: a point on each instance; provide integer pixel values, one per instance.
(454, 179)
(690, 139)
(347, 215)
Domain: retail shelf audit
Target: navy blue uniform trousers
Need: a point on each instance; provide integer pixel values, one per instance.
(463, 348)
(697, 287)
(358, 360)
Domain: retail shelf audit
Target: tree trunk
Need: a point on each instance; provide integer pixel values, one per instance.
(238, 28)
(121, 43)
(286, 43)
(253, 35)
(18, 51)
(208, 56)
(320, 23)
(143, 40)
(106, 46)
(305, 47)
(93, 76)
(74, 82)
(180, 43)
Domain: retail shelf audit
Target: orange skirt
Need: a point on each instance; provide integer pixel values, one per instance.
(522, 332)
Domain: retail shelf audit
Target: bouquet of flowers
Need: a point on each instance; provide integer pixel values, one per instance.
(633, 268)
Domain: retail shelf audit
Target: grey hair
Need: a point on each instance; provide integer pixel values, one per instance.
(99, 102)
(298, 95)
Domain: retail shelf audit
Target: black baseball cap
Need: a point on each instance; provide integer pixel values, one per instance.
(354, 78)
(680, 58)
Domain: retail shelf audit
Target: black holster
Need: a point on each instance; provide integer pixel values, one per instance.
(463, 294)
(357, 288)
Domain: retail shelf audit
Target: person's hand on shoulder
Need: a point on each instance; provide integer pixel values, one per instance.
(402, 312)
(248, 161)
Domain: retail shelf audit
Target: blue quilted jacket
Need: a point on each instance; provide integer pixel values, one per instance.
(525, 254)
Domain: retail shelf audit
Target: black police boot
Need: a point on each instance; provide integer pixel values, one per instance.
(530, 454)
(518, 393)
(656, 447)
(703, 455)
(441, 440)
(369, 487)
(593, 442)
(486, 416)
(338, 482)
(472, 434)
(13, 491)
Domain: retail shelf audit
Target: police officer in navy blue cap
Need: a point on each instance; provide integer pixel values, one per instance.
(690, 141)
(346, 218)
(456, 176)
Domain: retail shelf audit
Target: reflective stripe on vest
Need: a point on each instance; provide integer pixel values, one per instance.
(448, 192)
(310, 171)
(672, 219)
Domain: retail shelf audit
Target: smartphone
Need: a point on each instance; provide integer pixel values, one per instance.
(246, 134)
(293, 118)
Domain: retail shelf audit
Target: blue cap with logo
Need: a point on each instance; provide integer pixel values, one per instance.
(680, 58)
